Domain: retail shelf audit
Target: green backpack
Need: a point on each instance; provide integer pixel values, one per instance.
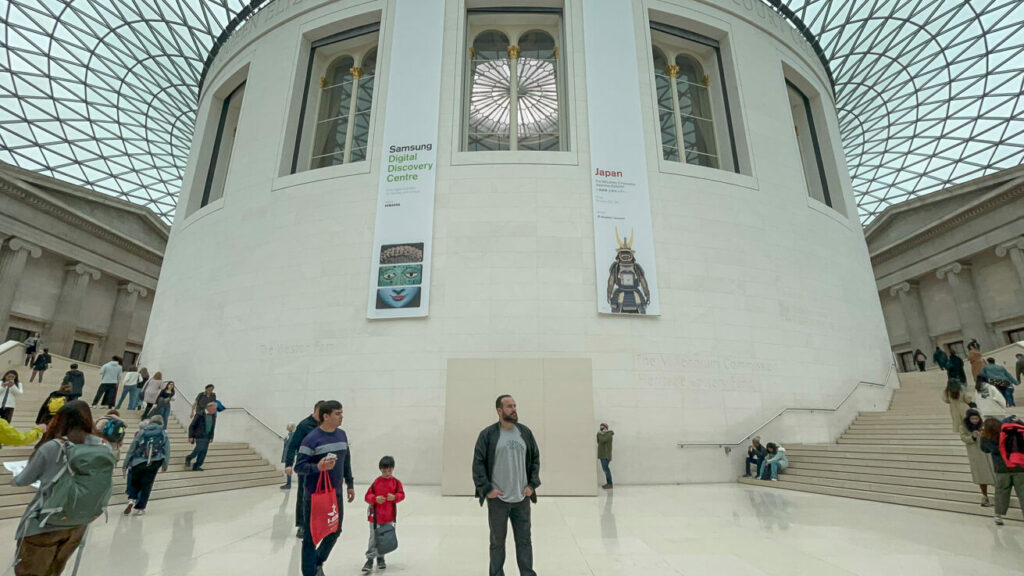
(81, 491)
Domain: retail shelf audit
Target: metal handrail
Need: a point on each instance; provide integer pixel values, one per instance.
(246, 410)
(785, 410)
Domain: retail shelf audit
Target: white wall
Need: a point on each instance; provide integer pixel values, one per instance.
(768, 299)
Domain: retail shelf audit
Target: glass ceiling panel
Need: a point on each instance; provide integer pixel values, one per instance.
(102, 93)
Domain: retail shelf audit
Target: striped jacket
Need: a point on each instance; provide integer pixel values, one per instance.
(315, 447)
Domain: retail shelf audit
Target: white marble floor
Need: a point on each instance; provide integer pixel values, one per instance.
(719, 529)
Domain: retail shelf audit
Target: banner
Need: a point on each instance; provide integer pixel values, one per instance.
(627, 279)
(400, 263)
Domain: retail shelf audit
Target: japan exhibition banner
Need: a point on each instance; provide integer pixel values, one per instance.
(627, 278)
(400, 263)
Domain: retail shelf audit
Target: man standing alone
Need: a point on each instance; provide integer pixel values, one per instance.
(506, 472)
(308, 424)
(325, 448)
(110, 375)
(604, 454)
(200, 433)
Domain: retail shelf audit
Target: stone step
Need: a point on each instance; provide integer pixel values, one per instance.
(858, 457)
(903, 418)
(908, 473)
(790, 483)
(891, 442)
(893, 429)
(903, 435)
(924, 482)
(960, 466)
(182, 448)
(963, 496)
(922, 449)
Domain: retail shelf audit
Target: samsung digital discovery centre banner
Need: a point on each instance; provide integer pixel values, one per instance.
(627, 279)
(400, 265)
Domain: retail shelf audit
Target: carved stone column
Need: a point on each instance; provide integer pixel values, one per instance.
(121, 320)
(913, 314)
(1015, 249)
(69, 306)
(14, 255)
(968, 308)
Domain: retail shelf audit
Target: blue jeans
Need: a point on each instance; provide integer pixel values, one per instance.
(132, 392)
(607, 471)
(165, 412)
(1008, 394)
(756, 461)
(772, 468)
(199, 453)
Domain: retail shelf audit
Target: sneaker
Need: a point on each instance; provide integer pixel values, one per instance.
(606, 486)
(139, 512)
(999, 520)
(299, 533)
(747, 475)
(368, 567)
(380, 563)
(985, 502)
(128, 508)
(197, 469)
(775, 479)
(286, 487)
(188, 460)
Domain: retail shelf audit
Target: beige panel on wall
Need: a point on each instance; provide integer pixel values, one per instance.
(555, 400)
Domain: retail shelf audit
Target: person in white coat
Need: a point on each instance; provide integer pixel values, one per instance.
(130, 388)
(10, 387)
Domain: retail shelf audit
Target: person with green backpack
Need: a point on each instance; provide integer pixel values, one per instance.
(75, 472)
(149, 454)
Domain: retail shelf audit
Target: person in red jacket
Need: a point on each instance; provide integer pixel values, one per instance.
(384, 493)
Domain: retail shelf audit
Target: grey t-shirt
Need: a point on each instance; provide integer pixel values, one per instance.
(509, 474)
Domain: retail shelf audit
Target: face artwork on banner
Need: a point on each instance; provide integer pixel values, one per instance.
(400, 265)
(623, 233)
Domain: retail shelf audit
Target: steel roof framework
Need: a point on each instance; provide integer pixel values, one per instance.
(103, 93)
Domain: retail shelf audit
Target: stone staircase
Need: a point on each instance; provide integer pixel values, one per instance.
(228, 466)
(907, 455)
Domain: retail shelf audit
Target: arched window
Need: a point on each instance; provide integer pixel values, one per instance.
(693, 115)
(335, 120)
(514, 97)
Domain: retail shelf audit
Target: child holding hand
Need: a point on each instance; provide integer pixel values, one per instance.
(383, 494)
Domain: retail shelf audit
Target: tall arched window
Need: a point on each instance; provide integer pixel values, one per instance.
(340, 91)
(514, 99)
(693, 113)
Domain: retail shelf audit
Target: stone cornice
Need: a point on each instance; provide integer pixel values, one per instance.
(996, 200)
(48, 205)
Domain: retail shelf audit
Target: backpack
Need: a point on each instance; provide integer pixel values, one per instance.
(150, 444)
(1011, 444)
(56, 403)
(113, 431)
(81, 491)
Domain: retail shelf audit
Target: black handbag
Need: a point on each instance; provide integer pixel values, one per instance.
(385, 538)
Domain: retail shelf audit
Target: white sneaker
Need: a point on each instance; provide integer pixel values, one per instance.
(985, 502)
(138, 512)
(998, 520)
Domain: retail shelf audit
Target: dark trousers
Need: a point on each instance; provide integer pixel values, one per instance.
(313, 556)
(607, 471)
(756, 461)
(143, 477)
(7, 414)
(300, 495)
(920, 366)
(145, 413)
(105, 395)
(499, 513)
(198, 455)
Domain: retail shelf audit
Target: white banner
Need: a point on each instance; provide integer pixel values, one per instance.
(627, 279)
(400, 263)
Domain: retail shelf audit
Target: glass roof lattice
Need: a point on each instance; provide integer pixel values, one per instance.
(102, 93)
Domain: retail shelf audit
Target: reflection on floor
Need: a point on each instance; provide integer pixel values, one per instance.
(719, 529)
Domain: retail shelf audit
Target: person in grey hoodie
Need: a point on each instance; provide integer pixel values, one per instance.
(149, 453)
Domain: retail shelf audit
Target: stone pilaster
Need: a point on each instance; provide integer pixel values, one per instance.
(121, 320)
(1015, 249)
(968, 308)
(14, 254)
(61, 336)
(913, 314)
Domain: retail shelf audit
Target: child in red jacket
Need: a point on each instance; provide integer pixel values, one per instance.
(384, 493)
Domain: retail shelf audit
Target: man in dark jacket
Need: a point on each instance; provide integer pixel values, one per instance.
(940, 358)
(302, 430)
(506, 472)
(200, 433)
(77, 381)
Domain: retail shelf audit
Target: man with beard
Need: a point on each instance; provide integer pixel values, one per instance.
(506, 472)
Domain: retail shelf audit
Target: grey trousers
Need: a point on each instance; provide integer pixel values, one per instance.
(499, 513)
(1004, 483)
(371, 547)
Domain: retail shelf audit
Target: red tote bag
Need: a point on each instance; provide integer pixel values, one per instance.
(323, 514)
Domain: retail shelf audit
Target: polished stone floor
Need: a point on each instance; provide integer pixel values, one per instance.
(719, 529)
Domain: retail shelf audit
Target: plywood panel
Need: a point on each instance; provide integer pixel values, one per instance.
(555, 400)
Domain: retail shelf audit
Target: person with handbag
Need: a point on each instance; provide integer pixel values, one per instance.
(324, 461)
(383, 496)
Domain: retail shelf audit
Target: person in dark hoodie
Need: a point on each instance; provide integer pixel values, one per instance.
(200, 433)
(304, 427)
(940, 358)
(54, 402)
(77, 381)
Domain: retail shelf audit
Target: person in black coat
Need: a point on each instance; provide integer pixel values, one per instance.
(506, 473)
(77, 381)
(307, 425)
(200, 433)
(54, 402)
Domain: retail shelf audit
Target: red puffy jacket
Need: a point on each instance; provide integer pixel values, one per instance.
(382, 487)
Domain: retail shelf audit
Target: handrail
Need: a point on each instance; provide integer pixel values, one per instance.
(246, 410)
(785, 410)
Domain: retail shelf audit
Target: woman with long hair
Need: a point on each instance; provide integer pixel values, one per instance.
(10, 386)
(163, 401)
(920, 359)
(45, 550)
(1006, 478)
(981, 465)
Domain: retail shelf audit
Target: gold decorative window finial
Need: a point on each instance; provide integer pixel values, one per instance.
(356, 71)
(323, 82)
(513, 52)
(555, 56)
(672, 70)
(706, 81)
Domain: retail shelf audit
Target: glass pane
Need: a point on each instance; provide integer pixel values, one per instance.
(666, 111)
(489, 105)
(538, 103)
(695, 111)
(332, 117)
